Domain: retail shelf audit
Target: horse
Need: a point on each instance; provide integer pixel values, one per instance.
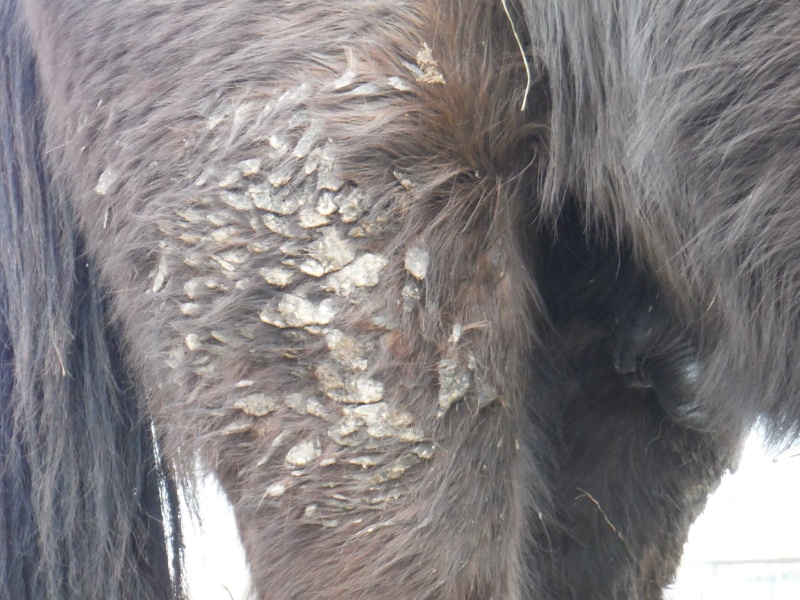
(456, 299)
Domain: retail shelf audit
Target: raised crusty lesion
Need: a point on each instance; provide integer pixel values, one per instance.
(284, 232)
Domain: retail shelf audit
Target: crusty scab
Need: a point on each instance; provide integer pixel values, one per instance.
(290, 217)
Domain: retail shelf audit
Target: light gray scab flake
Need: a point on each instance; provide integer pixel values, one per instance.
(427, 64)
(234, 257)
(346, 428)
(398, 84)
(357, 389)
(279, 225)
(416, 262)
(280, 178)
(329, 379)
(303, 454)
(381, 420)
(396, 469)
(217, 219)
(223, 337)
(351, 206)
(237, 201)
(160, 277)
(310, 218)
(175, 358)
(190, 309)
(385, 320)
(258, 247)
(486, 394)
(413, 69)
(411, 292)
(207, 175)
(284, 204)
(322, 160)
(411, 435)
(296, 402)
(275, 490)
(293, 95)
(193, 342)
(106, 180)
(256, 405)
(424, 451)
(306, 143)
(312, 162)
(223, 235)
(227, 266)
(236, 428)
(296, 311)
(456, 335)
(363, 390)
(311, 406)
(190, 238)
(261, 196)
(333, 251)
(249, 167)
(343, 437)
(346, 350)
(277, 276)
(315, 408)
(193, 287)
(215, 284)
(365, 89)
(326, 205)
(232, 180)
(364, 229)
(242, 113)
(327, 179)
(218, 117)
(191, 215)
(299, 118)
(196, 260)
(330, 523)
(363, 272)
(312, 268)
(280, 144)
(404, 181)
(365, 462)
(205, 371)
(454, 382)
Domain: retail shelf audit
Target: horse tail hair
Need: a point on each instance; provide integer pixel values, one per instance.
(88, 507)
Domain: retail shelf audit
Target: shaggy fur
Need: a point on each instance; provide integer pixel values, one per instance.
(432, 345)
(81, 484)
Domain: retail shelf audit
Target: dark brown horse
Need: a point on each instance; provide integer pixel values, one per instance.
(458, 299)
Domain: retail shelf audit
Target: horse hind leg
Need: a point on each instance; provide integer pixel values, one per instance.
(319, 275)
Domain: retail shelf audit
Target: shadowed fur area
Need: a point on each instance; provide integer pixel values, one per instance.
(459, 300)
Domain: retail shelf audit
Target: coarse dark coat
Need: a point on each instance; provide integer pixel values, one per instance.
(434, 346)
